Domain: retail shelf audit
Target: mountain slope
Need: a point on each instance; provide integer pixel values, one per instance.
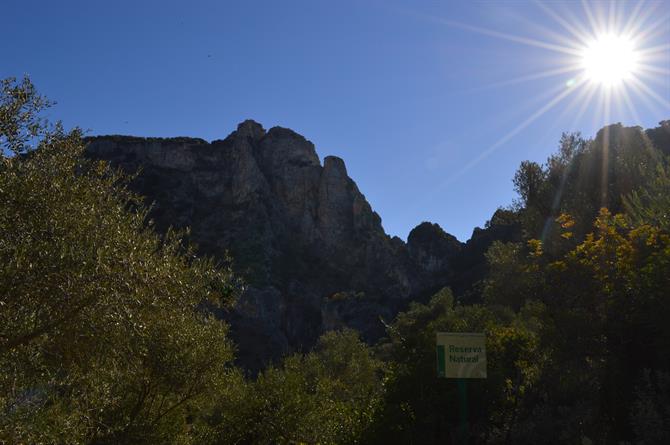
(313, 252)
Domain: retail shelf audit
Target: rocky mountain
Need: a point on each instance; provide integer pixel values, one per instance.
(301, 234)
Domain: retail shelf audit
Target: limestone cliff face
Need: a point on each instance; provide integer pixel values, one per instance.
(310, 247)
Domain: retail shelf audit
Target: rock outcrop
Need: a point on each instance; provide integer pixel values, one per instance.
(301, 234)
(434, 251)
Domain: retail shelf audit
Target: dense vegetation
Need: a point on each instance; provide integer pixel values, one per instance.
(106, 337)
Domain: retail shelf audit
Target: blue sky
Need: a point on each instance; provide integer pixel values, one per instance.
(425, 101)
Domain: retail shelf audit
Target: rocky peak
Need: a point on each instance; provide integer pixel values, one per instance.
(431, 246)
(282, 145)
(434, 252)
(335, 211)
(250, 129)
(334, 166)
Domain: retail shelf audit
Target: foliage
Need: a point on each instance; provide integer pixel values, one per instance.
(20, 115)
(101, 338)
(419, 407)
(584, 176)
(528, 181)
(651, 204)
(606, 306)
(328, 396)
(651, 409)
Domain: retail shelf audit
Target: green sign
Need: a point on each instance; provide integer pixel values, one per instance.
(461, 355)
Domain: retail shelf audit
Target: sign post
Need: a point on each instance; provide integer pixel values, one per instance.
(461, 356)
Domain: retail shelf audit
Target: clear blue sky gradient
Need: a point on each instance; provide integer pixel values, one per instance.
(409, 94)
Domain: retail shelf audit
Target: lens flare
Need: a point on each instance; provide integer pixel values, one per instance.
(612, 57)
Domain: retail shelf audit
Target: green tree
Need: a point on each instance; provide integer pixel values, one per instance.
(21, 121)
(528, 181)
(651, 204)
(103, 337)
(328, 396)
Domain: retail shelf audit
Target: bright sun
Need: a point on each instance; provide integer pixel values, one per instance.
(609, 60)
